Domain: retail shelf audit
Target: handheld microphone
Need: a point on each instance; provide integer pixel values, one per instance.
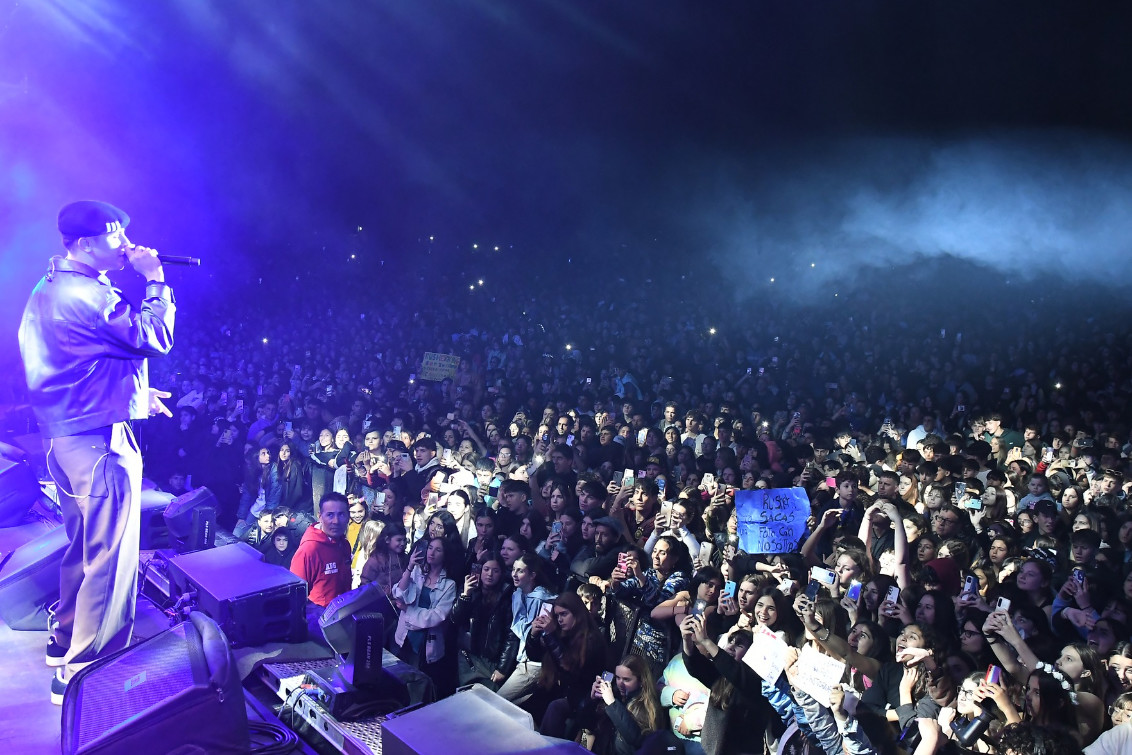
(169, 259)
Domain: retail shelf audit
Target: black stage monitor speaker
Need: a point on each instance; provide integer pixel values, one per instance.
(191, 519)
(254, 602)
(176, 692)
(29, 581)
(18, 486)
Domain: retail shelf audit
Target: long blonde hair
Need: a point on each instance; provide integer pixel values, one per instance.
(368, 538)
(645, 706)
(367, 543)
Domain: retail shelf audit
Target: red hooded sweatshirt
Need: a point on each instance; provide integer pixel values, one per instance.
(324, 564)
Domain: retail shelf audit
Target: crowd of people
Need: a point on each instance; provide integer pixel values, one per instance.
(556, 520)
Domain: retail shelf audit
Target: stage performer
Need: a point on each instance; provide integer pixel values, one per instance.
(84, 350)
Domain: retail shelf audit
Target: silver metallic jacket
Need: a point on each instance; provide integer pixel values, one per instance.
(84, 348)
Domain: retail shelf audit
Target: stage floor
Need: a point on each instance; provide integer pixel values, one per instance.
(30, 721)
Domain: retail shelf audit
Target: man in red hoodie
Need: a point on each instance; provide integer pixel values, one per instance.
(323, 557)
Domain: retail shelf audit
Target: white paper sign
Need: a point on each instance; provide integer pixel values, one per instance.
(817, 673)
(767, 655)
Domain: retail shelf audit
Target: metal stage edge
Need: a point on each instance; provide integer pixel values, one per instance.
(361, 737)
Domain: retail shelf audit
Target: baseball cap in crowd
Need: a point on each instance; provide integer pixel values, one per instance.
(88, 217)
(396, 446)
(1001, 529)
(1045, 507)
(612, 523)
(1059, 480)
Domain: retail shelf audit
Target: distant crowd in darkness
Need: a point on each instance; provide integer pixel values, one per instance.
(556, 520)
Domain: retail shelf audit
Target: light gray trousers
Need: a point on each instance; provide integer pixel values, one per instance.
(98, 475)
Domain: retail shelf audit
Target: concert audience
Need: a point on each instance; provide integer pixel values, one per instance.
(968, 492)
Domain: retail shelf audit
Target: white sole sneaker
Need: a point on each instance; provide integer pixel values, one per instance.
(55, 655)
(58, 689)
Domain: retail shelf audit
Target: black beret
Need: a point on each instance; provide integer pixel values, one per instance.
(90, 218)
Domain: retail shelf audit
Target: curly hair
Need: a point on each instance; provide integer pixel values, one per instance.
(1030, 739)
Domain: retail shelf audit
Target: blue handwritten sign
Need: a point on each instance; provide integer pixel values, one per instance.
(773, 520)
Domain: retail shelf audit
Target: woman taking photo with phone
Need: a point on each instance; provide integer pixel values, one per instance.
(425, 597)
(322, 474)
(571, 648)
(630, 702)
(1078, 665)
(669, 574)
(442, 524)
(483, 617)
(734, 720)
(562, 545)
(706, 589)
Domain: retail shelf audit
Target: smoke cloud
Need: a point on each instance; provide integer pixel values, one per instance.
(822, 216)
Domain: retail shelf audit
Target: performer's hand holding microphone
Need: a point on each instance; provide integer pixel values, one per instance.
(148, 261)
(145, 261)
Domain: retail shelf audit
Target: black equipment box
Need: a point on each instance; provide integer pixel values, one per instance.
(252, 601)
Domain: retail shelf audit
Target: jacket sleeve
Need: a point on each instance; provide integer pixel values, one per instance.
(410, 593)
(536, 649)
(147, 332)
(629, 589)
(656, 593)
(509, 656)
(821, 722)
(651, 542)
(746, 681)
(553, 646)
(624, 722)
(274, 488)
(434, 615)
(462, 610)
(701, 668)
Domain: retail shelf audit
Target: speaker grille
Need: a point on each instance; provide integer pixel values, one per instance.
(142, 678)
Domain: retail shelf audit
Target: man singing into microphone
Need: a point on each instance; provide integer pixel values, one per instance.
(84, 351)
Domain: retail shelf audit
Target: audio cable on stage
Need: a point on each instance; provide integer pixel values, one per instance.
(271, 739)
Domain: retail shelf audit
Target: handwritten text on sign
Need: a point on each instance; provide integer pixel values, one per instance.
(439, 366)
(773, 520)
(817, 674)
(767, 654)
